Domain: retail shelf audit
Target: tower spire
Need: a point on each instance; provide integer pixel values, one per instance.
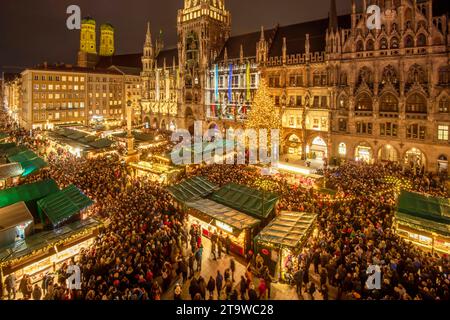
(332, 16)
(148, 36)
(262, 38)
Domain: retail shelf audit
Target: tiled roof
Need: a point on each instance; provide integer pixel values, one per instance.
(168, 54)
(295, 35)
(71, 68)
(248, 42)
(132, 60)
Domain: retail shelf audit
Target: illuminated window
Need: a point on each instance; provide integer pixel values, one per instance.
(443, 132)
(342, 149)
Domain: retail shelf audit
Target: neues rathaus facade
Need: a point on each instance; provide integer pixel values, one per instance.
(344, 91)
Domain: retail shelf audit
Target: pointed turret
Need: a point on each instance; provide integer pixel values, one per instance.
(332, 17)
(241, 54)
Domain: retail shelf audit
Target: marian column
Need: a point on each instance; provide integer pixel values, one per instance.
(132, 154)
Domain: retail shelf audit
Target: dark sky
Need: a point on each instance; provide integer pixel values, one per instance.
(34, 31)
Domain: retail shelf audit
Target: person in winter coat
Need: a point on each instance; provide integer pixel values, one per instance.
(202, 287)
(191, 265)
(243, 287)
(198, 258)
(211, 286)
(232, 268)
(262, 289)
(252, 295)
(37, 292)
(10, 284)
(298, 278)
(194, 288)
(219, 282)
(177, 292)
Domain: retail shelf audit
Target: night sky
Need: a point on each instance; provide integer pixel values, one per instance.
(34, 31)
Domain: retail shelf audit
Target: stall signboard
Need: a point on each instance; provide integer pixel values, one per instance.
(224, 226)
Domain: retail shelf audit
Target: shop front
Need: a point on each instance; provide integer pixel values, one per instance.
(157, 172)
(424, 221)
(45, 252)
(280, 242)
(214, 217)
(364, 153)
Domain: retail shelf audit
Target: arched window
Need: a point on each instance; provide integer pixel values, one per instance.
(370, 45)
(416, 103)
(359, 46)
(383, 43)
(409, 42)
(421, 40)
(343, 79)
(394, 43)
(389, 103)
(444, 75)
(343, 103)
(444, 105)
(364, 103)
(342, 149)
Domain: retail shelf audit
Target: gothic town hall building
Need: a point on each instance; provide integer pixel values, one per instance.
(345, 92)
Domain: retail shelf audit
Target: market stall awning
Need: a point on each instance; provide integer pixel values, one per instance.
(10, 170)
(3, 136)
(29, 161)
(14, 215)
(423, 212)
(27, 192)
(234, 218)
(101, 143)
(14, 150)
(23, 156)
(77, 135)
(46, 239)
(5, 146)
(251, 201)
(288, 230)
(192, 189)
(64, 204)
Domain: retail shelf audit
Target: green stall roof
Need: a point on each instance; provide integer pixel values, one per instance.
(32, 165)
(251, 201)
(288, 230)
(62, 205)
(5, 146)
(192, 189)
(27, 192)
(3, 135)
(23, 156)
(14, 150)
(424, 212)
(101, 143)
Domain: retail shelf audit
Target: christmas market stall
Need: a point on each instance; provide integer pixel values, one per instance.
(256, 203)
(424, 221)
(191, 189)
(16, 222)
(156, 170)
(282, 239)
(10, 174)
(46, 251)
(29, 161)
(213, 216)
(63, 206)
(28, 193)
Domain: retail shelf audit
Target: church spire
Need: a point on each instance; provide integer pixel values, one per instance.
(148, 36)
(332, 17)
(262, 38)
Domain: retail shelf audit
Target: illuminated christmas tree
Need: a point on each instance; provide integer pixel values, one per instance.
(264, 114)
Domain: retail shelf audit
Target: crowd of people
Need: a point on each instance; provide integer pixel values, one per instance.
(147, 244)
